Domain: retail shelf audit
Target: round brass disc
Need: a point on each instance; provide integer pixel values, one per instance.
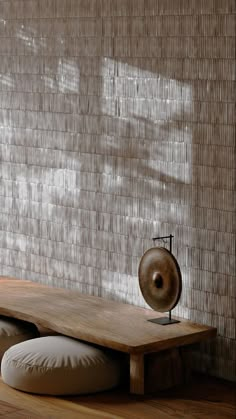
(160, 279)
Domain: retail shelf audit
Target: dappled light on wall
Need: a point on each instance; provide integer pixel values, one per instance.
(68, 78)
(151, 145)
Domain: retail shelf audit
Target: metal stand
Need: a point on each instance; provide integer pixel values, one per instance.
(164, 320)
(170, 237)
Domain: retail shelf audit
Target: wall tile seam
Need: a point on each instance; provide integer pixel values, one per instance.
(120, 57)
(111, 245)
(183, 61)
(115, 171)
(101, 177)
(70, 18)
(41, 259)
(53, 277)
(136, 197)
(75, 139)
(119, 96)
(155, 13)
(185, 247)
(205, 113)
(114, 159)
(164, 220)
(180, 306)
(178, 78)
(204, 148)
(135, 201)
(70, 141)
(139, 78)
(74, 120)
(65, 265)
(74, 247)
(210, 299)
(116, 162)
(186, 60)
(65, 145)
(110, 33)
(219, 332)
(207, 79)
(51, 201)
(120, 36)
(187, 189)
(195, 13)
(43, 274)
(113, 254)
(123, 98)
(103, 249)
(197, 277)
(148, 220)
(112, 135)
(102, 270)
(162, 17)
(215, 321)
(212, 296)
(184, 243)
(117, 113)
(219, 84)
(130, 38)
(223, 87)
(101, 231)
(28, 219)
(78, 123)
(44, 258)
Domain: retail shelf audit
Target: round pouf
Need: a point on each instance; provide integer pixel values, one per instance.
(59, 365)
(13, 331)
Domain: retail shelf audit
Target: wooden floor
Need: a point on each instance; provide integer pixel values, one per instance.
(202, 398)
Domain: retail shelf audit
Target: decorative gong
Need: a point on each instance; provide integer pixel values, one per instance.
(160, 281)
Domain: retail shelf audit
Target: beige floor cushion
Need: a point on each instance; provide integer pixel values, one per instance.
(13, 331)
(58, 365)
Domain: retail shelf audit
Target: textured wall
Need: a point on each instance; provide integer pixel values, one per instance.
(117, 122)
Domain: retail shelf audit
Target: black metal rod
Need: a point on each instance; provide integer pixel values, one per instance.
(170, 237)
(162, 237)
(170, 315)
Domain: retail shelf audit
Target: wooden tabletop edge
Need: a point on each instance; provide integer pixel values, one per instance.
(197, 337)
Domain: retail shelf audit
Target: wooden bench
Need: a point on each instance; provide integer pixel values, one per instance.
(119, 326)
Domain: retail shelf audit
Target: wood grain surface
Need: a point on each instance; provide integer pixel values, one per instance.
(9, 411)
(202, 398)
(137, 384)
(115, 325)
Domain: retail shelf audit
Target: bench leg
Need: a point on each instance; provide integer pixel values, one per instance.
(137, 373)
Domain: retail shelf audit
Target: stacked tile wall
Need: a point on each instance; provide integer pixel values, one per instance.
(117, 123)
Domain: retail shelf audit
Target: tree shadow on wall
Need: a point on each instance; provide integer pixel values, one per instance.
(120, 175)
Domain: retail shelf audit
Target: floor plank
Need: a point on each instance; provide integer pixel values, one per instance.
(8, 410)
(202, 398)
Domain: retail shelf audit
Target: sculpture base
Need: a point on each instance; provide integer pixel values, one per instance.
(164, 321)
